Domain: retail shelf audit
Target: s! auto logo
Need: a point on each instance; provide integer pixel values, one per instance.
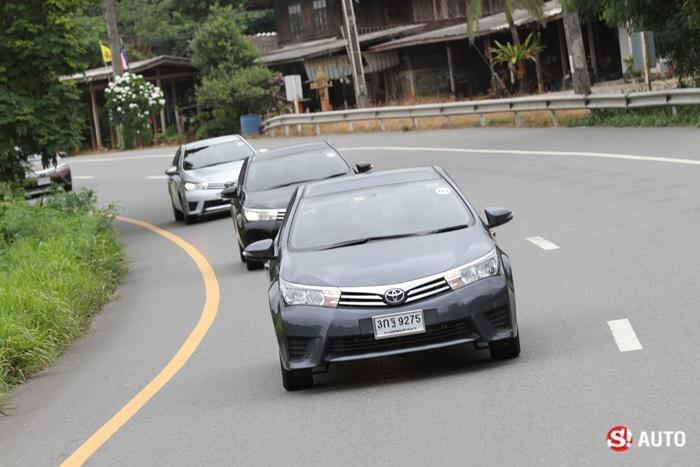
(619, 438)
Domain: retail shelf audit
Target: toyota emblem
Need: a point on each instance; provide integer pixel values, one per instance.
(394, 297)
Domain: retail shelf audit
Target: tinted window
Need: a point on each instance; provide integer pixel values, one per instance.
(215, 154)
(403, 209)
(273, 172)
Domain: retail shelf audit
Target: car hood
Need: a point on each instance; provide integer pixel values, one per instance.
(387, 262)
(35, 167)
(217, 173)
(270, 199)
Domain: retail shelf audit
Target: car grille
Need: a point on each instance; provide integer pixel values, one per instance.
(499, 317)
(425, 290)
(216, 185)
(280, 214)
(297, 346)
(435, 333)
(215, 203)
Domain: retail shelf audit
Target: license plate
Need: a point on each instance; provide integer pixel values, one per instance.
(398, 324)
(43, 181)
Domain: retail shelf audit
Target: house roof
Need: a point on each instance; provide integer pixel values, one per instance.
(487, 24)
(296, 52)
(105, 72)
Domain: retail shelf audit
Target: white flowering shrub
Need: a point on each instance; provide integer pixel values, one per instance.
(131, 101)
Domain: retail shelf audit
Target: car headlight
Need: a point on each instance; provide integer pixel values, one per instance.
(294, 294)
(189, 186)
(260, 215)
(485, 266)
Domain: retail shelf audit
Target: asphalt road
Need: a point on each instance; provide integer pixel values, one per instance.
(628, 232)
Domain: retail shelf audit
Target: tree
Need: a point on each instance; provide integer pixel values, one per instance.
(39, 114)
(675, 23)
(233, 83)
(475, 11)
(515, 56)
(577, 51)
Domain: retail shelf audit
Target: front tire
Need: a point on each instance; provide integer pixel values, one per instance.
(294, 380)
(178, 215)
(505, 349)
(253, 265)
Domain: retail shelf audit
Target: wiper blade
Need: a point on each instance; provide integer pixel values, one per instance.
(299, 182)
(360, 241)
(445, 229)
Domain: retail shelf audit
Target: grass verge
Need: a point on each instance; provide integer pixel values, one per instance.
(688, 115)
(60, 262)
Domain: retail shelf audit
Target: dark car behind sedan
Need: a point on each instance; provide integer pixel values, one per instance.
(390, 263)
(266, 182)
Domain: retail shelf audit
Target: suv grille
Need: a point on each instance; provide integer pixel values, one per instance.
(419, 292)
(435, 333)
(215, 203)
(280, 214)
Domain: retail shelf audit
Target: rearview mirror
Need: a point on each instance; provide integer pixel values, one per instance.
(497, 216)
(171, 171)
(363, 167)
(262, 250)
(230, 191)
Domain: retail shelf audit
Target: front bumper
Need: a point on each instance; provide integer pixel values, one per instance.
(202, 202)
(251, 232)
(312, 337)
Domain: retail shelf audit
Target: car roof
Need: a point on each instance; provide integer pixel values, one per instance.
(211, 141)
(295, 149)
(371, 180)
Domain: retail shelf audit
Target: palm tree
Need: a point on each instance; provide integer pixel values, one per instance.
(514, 56)
(475, 10)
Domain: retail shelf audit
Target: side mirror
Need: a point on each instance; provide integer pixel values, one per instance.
(262, 250)
(497, 216)
(171, 171)
(230, 191)
(363, 167)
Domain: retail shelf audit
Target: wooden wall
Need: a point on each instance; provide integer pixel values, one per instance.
(309, 31)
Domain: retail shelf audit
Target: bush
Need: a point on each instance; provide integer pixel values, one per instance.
(650, 117)
(60, 261)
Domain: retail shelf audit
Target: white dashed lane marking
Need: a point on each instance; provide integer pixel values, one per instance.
(157, 177)
(624, 335)
(542, 243)
(83, 177)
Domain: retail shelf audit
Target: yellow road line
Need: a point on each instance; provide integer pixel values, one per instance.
(211, 305)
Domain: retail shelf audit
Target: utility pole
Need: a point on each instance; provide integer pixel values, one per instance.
(113, 34)
(646, 60)
(352, 44)
(577, 52)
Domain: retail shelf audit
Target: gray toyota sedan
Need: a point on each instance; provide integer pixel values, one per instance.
(388, 263)
(199, 172)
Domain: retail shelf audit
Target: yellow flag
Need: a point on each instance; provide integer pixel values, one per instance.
(106, 53)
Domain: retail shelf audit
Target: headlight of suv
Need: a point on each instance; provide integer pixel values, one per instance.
(189, 186)
(295, 294)
(262, 215)
(485, 266)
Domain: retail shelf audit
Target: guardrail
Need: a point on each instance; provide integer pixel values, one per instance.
(671, 97)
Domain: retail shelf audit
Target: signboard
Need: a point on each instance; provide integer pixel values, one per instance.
(292, 87)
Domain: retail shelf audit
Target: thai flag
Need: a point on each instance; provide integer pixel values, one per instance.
(125, 62)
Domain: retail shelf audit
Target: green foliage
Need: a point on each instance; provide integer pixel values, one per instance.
(60, 261)
(514, 55)
(131, 101)
(651, 117)
(475, 11)
(675, 23)
(232, 84)
(39, 41)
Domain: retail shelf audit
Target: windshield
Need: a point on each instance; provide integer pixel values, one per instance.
(221, 153)
(275, 172)
(342, 219)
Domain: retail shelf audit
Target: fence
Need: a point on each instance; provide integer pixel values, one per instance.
(670, 97)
